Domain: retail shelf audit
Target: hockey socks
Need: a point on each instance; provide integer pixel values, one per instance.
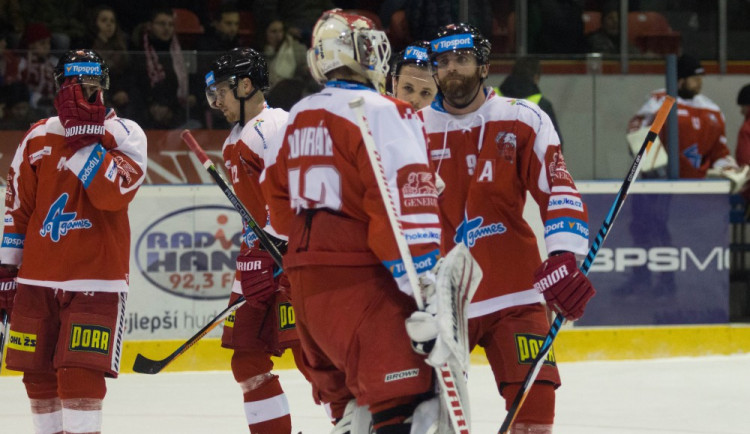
(266, 406)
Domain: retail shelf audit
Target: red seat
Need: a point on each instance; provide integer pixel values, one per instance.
(247, 28)
(186, 22)
(398, 31)
(592, 21)
(651, 33)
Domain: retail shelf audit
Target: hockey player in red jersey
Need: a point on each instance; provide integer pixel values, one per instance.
(412, 76)
(67, 229)
(491, 151)
(701, 130)
(235, 85)
(350, 293)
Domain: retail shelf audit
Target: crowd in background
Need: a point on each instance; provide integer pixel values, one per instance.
(157, 70)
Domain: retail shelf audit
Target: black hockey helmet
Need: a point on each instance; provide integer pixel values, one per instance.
(416, 53)
(85, 64)
(459, 37)
(234, 65)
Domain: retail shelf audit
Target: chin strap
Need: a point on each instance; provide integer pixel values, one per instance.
(242, 103)
(462, 106)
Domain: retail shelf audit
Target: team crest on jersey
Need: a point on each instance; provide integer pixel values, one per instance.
(57, 223)
(506, 145)
(418, 191)
(90, 338)
(527, 348)
(287, 320)
(469, 231)
(556, 167)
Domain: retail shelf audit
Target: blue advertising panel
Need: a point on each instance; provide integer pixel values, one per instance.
(665, 261)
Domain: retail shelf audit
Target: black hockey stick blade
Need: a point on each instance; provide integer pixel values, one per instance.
(144, 365)
(2, 337)
(536, 365)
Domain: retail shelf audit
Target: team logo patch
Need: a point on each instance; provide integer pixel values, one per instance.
(229, 322)
(506, 145)
(453, 42)
(418, 191)
(527, 348)
(469, 231)
(439, 154)
(287, 321)
(82, 68)
(22, 341)
(556, 167)
(90, 338)
(416, 53)
(566, 224)
(57, 223)
(401, 375)
(14, 240)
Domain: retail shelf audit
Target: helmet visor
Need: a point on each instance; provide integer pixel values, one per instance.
(216, 90)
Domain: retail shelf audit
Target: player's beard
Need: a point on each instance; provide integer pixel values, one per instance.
(459, 90)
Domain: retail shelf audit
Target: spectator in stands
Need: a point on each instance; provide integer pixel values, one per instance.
(556, 27)
(62, 18)
(523, 82)
(606, 39)
(300, 15)
(103, 35)
(743, 139)
(426, 16)
(10, 11)
(8, 59)
(162, 68)
(223, 33)
(162, 115)
(17, 112)
(286, 56)
(35, 69)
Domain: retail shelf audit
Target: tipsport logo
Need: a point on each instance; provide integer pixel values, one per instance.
(83, 68)
(453, 42)
(57, 223)
(416, 53)
(191, 252)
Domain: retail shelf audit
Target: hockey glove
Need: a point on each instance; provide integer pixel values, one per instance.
(7, 288)
(256, 276)
(565, 288)
(83, 120)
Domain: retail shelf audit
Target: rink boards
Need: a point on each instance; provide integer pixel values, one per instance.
(184, 239)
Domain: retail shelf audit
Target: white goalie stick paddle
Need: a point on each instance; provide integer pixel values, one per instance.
(536, 365)
(143, 364)
(445, 376)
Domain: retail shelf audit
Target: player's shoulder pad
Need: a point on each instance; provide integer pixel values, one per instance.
(405, 110)
(704, 102)
(524, 111)
(125, 130)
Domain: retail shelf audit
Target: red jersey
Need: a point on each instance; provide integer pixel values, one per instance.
(489, 159)
(245, 153)
(701, 131)
(66, 214)
(323, 165)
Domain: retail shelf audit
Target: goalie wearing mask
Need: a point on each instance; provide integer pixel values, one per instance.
(66, 235)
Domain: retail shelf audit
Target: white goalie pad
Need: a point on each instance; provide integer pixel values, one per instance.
(655, 158)
(457, 281)
(356, 420)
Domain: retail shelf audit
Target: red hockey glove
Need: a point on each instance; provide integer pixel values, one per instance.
(565, 288)
(256, 276)
(7, 288)
(82, 120)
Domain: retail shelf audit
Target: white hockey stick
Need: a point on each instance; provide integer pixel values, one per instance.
(448, 388)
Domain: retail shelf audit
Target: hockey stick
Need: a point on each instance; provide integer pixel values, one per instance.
(2, 337)
(448, 387)
(145, 365)
(251, 222)
(609, 220)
